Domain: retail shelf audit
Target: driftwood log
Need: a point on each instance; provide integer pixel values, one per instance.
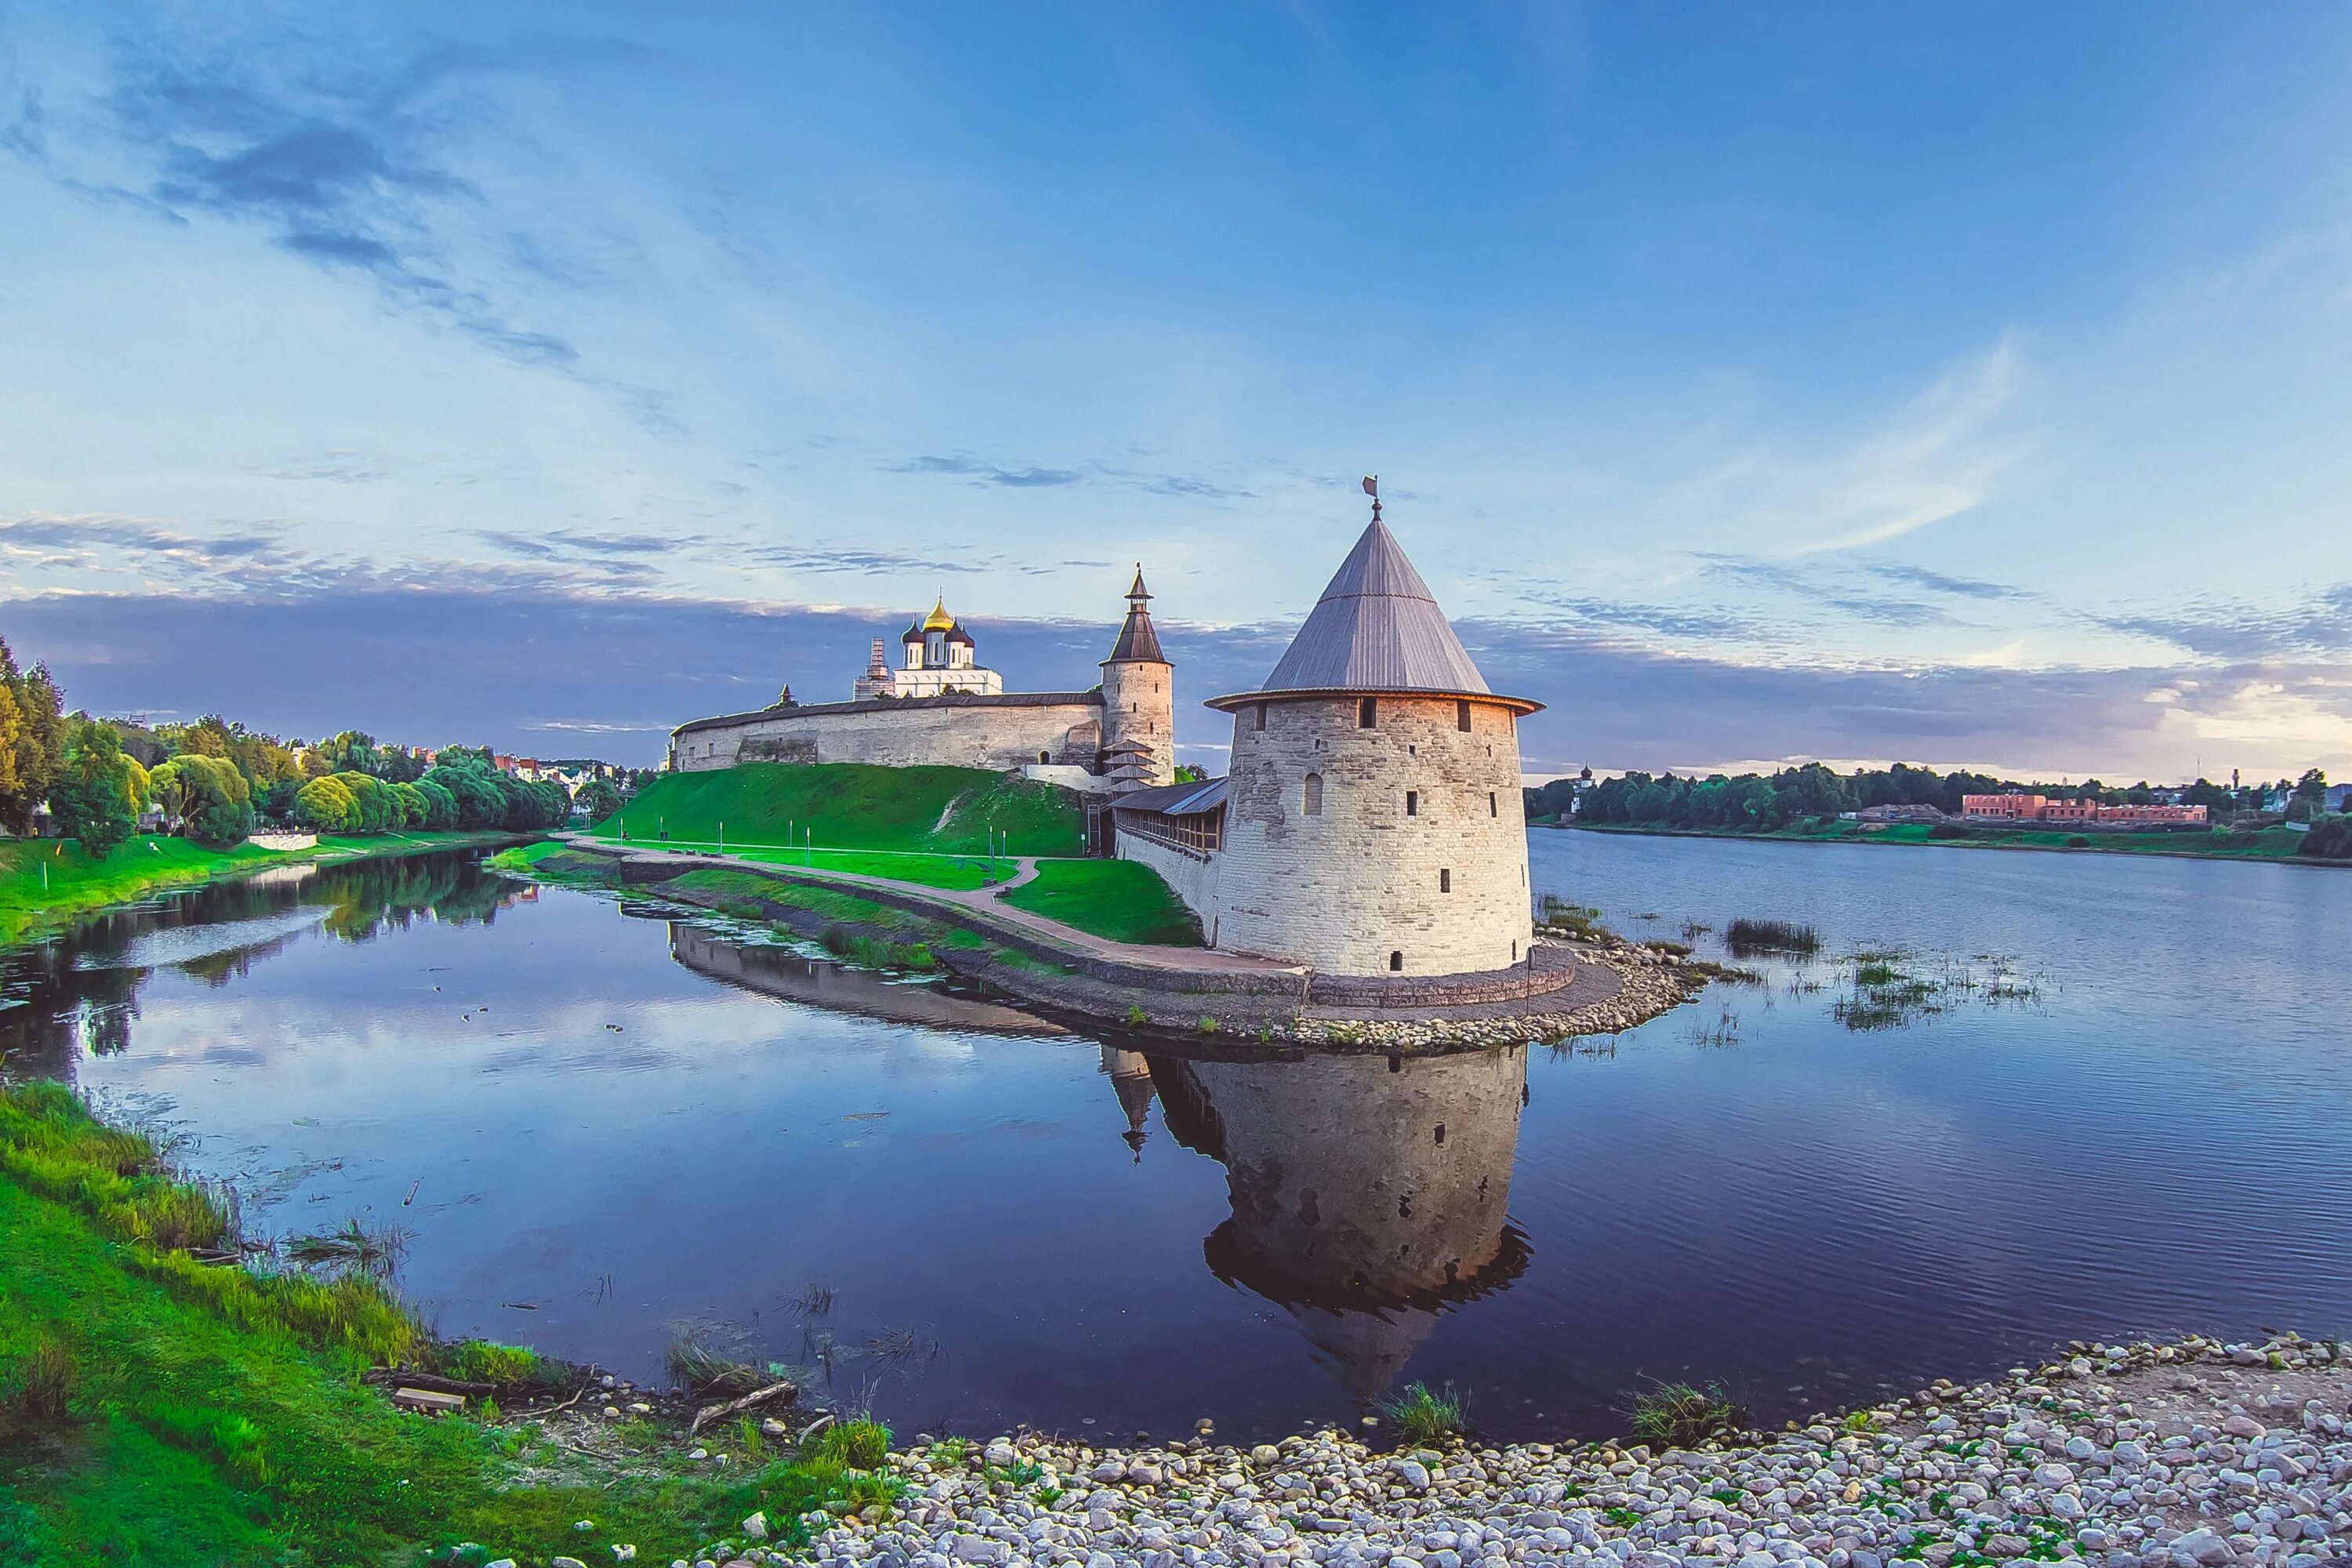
(385, 1377)
(775, 1392)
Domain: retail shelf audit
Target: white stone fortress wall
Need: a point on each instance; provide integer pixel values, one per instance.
(999, 733)
(1360, 876)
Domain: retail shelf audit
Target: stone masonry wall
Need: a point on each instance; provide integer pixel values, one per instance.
(1191, 874)
(1444, 886)
(972, 732)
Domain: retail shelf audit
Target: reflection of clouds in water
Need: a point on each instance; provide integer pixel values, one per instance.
(191, 945)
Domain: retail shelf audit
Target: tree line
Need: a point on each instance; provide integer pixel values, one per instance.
(214, 781)
(1762, 803)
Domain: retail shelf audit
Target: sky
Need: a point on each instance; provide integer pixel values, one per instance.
(1963, 385)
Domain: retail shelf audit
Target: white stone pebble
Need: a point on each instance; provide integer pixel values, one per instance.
(2050, 1466)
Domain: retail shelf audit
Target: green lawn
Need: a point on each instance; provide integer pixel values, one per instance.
(850, 805)
(50, 881)
(186, 1438)
(1122, 899)
(47, 883)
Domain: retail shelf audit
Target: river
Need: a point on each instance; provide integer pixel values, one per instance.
(2111, 1097)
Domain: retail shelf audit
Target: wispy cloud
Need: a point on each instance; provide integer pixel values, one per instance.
(1944, 581)
(357, 173)
(1936, 459)
(2321, 625)
(1039, 476)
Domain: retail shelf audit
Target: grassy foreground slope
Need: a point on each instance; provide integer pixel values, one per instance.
(853, 806)
(160, 1412)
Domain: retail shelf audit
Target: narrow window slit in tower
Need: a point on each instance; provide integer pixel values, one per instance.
(1462, 716)
(1445, 883)
(1413, 803)
(1368, 713)
(1396, 960)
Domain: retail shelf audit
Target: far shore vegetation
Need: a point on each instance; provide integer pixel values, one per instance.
(2281, 820)
(100, 812)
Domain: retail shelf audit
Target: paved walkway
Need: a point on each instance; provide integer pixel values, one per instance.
(1174, 960)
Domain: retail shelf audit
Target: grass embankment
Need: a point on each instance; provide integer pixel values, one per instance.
(2227, 844)
(1122, 900)
(853, 806)
(157, 1411)
(49, 883)
(860, 930)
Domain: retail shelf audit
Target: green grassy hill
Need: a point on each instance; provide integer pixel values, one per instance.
(851, 805)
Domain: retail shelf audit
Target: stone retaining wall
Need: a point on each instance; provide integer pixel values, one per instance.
(1549, 968)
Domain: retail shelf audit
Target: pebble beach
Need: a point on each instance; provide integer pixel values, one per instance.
(2195, 1453)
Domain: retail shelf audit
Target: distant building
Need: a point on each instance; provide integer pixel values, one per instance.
(2062, 810)
(938, 656)
(1892, 814)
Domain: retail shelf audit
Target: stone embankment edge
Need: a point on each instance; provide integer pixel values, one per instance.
(2193, 1454)
(1616, 984)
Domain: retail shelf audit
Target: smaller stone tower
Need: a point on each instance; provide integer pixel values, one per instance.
(1138, 696)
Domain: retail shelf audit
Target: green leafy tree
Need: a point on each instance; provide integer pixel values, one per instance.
(440, 806)
(378, 808)
(97, 798)
(167, 793)
(32, 741)
(324, 805)
(598, 798)
(217, 802)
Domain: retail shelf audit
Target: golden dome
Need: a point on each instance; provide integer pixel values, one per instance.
(939, 620)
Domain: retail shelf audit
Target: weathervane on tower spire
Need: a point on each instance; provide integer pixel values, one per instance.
(1372, 489)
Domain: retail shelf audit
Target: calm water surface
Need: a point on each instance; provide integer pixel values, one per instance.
(2121, 1108)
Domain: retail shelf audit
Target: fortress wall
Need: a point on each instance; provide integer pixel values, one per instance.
(977, 733)
(1342, 889)
(1192, 875)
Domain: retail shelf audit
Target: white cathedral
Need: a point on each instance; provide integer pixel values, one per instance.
(939, 657)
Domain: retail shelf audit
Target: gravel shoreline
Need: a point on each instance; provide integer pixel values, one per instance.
(2191, 1454)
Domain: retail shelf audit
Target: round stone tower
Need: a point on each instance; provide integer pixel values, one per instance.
(1138, 699)
(1374, 820)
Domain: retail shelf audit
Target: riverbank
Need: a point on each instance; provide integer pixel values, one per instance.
(1593, 984)
(159, 1410)
(2194, 1455)
(2270, 844)
(47, 884)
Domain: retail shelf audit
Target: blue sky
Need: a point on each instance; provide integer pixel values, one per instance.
(1750, 383)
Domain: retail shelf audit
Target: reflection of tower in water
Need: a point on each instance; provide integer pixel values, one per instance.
(1368, 1193)
(1130, 1078)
